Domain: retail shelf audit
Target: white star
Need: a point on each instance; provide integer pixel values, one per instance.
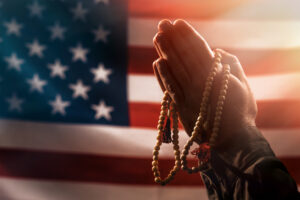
(36, 49)
(13, 27)
(15, 103)
(36, 84)
(36, 9)
(57, 31)
(101, 34)
(57, 69)
(79, 53)
(14, 62)
(101, 74)
(58, 105)
(102, 110)
(79, 12)
(80, 90)
(102, 1)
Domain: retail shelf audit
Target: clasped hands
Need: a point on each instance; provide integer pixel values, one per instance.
(185, 59)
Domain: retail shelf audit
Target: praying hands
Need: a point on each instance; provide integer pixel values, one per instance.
(184, 63)
(242, 164)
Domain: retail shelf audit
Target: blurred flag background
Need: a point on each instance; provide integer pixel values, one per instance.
(79, 102)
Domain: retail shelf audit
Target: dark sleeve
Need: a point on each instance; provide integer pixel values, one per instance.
(247, 168)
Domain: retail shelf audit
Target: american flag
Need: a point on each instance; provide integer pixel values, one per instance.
(79, 102)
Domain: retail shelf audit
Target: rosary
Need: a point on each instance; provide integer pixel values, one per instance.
(202, 123)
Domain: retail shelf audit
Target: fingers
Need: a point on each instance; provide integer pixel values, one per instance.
(232, 60)
(156, 73)
(167, 52)
(181, 47)
(169, 81)
(195, 42)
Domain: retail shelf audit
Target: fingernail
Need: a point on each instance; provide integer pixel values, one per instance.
(159, 37)
(164, 25)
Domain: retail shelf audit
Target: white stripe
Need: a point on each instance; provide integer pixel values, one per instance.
(145, 88)
(111, 140)
(18, 189)
(240, 34)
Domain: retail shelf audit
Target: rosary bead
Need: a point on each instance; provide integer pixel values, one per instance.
(154, 163)
(176, 147)
(157, 180)
(157, 148)
(156, 173)
(185, 152)
(218, 59)
(176, 168)
(154, 168)
(160, 126)
(184, 167)
(162, 118)
(177, 163)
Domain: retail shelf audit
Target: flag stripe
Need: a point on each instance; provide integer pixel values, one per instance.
(113, 141)
(271, 114)
(86, 168)
(255, 62)
(91, 168)
(273, 87)
(229, 9)
(16, 189)
(177, 8)
(252, 34)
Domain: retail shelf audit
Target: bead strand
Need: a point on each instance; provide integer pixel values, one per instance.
(200, 120)
(220, 105)
(155, 168)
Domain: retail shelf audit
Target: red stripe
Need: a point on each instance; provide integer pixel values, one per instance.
(255, 62)
(182, 9)
(85, 168)
(271, 114)
(94, 168)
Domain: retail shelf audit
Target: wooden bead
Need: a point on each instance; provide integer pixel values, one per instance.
(157, 180)
(156, 173)
(155, 152)
(154, 163)
(185, 152)
(154, 168)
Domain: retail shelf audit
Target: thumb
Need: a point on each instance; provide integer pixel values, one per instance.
(235, 65)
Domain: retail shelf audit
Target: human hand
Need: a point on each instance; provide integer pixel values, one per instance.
(184, 63)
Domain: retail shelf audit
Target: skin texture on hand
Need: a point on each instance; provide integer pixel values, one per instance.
(184, 62)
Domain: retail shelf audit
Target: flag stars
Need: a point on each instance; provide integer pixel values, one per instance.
(35, 48)
(101, 74)
(15, 103)
(102, 110)
(79, 12)
(13, 28)
(36, 9)
(101, 34)
(59, 106)
(14, 62)
(80, 90)
(57, 32)
(36, 84)
(79, 53)
(57, 69)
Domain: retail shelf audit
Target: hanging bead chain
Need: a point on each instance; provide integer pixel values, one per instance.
(202, 123)
(202, 115)
(167, 108)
